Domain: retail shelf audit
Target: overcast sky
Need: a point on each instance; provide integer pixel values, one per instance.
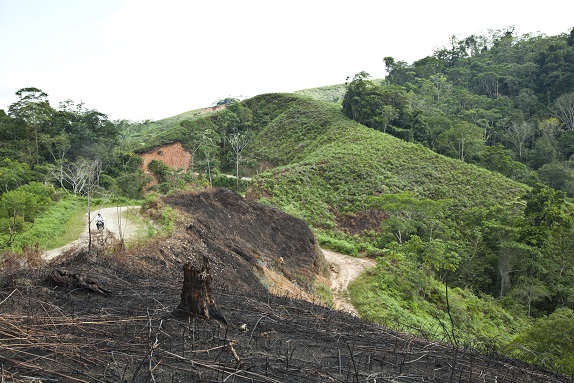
(144, 59)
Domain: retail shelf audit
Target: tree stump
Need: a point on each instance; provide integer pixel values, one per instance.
(196, 297)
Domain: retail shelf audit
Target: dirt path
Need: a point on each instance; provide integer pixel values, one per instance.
(115, 221)
(344, 269)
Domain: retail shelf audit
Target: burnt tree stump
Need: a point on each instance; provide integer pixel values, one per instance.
(196, 296)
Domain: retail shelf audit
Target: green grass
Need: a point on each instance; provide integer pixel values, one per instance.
(62, 223)
(330, 93)
(150, 134)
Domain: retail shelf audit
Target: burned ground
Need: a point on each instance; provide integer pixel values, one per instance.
(53, 332)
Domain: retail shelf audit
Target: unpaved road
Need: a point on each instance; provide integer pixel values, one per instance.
(115, 222)
(344, 270)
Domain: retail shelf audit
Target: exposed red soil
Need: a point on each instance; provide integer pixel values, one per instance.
(174, 156)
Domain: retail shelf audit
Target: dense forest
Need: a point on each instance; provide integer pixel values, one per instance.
(455, 172)
(502, 101)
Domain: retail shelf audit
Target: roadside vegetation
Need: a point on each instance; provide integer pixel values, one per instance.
(455, 173)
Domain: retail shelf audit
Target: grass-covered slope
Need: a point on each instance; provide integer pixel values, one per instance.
(330, 93)
(330, 165)
(142, 136)
(322, 164)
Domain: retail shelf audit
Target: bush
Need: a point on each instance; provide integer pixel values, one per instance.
(549, 342)
(338, 245)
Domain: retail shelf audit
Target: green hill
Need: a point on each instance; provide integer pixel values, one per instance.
(338, 163)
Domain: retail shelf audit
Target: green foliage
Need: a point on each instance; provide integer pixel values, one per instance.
(463, 140)
(496, 102)
(222, 180)
(160, 170)
(163, 216)
(19, 208)
(400, 294)
(548, 342)
(336, 244)
(325, 171)
(502, 83)
(329, 93)
(497, 159)
(543, 214)
(146, 135)
(13, 174)
(409, 215)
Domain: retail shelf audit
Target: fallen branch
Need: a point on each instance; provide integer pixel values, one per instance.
(63, 277)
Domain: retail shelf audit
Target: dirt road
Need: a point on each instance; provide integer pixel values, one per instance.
(115, 222)
(344, 269)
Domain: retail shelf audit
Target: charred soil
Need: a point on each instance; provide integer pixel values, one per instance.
(108, 316)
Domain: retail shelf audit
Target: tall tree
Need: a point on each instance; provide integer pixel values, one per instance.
(464, 139)
(563, 109)
(238, 141)
(35, 110)
(519, 135)
(209, 146)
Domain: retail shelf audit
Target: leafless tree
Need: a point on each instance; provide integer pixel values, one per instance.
(563, 109)
(519, 134)
(81, 174)
(238, 141)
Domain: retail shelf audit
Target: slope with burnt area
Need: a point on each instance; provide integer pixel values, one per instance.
(54, 332)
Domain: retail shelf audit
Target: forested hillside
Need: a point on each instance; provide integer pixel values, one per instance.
(502, 101)
(454, 172)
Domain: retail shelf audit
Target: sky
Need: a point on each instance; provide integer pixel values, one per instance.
(144, 59)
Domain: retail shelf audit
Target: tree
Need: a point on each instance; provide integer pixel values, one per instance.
(529, 290)
(563, 109)
(363, 100)
(19, 208)
(34, 109)
(81, 174)
(557, 176)
(209, 147)
(15, 205)
(226, 101)
(494, 158)
(91, 135)
(14, 174)
(543, 214)
(238, 142)
(549, 342)
(197, 129)
(387, 115)
(519, 134)
(159, 169)
(463, 139)
(408, 215)
(57, 146)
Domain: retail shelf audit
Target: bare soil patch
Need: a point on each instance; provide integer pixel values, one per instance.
(344, 269)
(174, 156)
